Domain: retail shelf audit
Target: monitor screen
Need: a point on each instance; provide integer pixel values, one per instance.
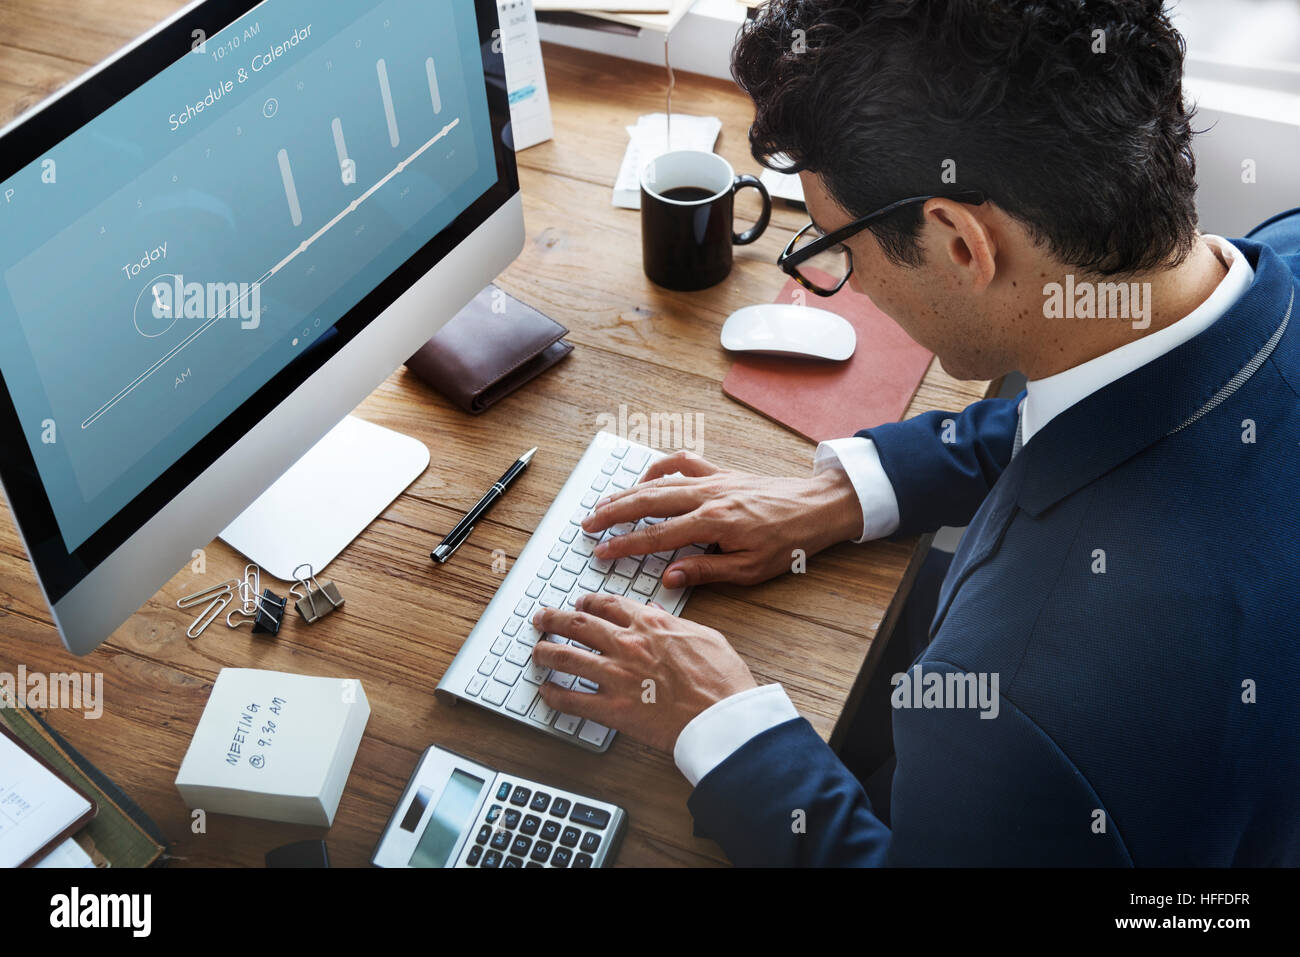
(174, 266)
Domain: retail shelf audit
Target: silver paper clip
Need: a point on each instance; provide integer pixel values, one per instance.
(209, 614)
(306, 605)
(250, 588)
(199, 597)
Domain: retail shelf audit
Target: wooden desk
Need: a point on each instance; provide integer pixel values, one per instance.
(637, 345)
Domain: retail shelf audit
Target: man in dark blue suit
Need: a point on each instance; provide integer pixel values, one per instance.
(1112, 657)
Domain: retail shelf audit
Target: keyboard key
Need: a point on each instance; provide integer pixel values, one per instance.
(574, 563)
(561, 857)
(571, 600)
(570, 837)
(521, 796)
(540, 802)
(530, 635)
(567, 723)
(529, 825)
(570, 532)
(535, 673)
(532, 864)
(627, 567)
(590, 842)
(550, 831)
(636, 459)
(512, 817)
(560, 807)
(609, 466)
(584, 546)
(578, 516)
(617, 584)
(582, 860)
(512, 626)
(645, 585)
(493, 859)
(542, 712)
(522, 845)
(493, 813)
(500, 645)
(690, 550)
(553, 597)
(665, 557)
(503, 792)
(564, 581)
(654, 566)
(586, 684)
(591, 816)
(619, 450)
(524, 608)
(602, 565)
(484, 835)
(590, 499)
(487, 665)
(541, 851)
(546, 571)
(593, 733)
(518, 653)
(475, 853)
(522, 698)
(562, 678)
(591, 580)
(534, 588)
(621, 529)
(622, 479)
(501, 839)
(557, 552)
(507, 673)
(669, 597)
(513, 862)
(495, 692)
(475, 685)
(599, 482)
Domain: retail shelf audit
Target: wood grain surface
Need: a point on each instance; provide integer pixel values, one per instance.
(638, 346)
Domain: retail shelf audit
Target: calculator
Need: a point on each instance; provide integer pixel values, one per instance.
(456, 812)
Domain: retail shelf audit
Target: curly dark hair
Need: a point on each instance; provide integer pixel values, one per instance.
(1090, 150)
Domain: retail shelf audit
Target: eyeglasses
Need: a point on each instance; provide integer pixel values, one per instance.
(822, 263)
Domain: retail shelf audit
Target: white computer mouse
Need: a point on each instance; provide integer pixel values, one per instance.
(785, 329)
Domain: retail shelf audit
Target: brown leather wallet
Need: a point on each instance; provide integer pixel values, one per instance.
(488, 349)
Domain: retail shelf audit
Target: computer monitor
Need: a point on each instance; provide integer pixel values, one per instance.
(212, 248)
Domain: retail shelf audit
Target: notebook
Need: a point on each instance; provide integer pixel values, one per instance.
(829, 400)
(38, 808)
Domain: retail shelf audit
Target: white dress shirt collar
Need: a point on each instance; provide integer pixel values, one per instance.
(1049, 397)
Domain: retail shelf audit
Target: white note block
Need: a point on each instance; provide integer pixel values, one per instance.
(274, 746)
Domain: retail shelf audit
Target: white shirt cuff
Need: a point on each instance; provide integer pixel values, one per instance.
(860, 460)
(719, 731)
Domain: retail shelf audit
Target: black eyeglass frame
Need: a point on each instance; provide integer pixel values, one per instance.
(790, 259)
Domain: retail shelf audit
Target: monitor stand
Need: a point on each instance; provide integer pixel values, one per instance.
(327, 498)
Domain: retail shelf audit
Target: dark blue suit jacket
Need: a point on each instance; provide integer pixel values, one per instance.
(1148, 712)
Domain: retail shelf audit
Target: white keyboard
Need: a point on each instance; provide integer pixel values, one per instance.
(494, 667)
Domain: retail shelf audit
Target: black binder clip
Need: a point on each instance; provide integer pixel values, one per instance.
(267, 616)
(314, 603)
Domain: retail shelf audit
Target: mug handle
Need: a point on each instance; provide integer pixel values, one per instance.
(751, 234)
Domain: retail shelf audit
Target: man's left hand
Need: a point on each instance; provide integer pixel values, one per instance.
(655, 672)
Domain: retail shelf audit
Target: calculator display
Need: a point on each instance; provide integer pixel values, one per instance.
(449, 817)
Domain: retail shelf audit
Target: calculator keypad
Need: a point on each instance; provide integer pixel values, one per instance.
(535, 828)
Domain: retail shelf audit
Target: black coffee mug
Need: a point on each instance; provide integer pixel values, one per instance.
(687, 215)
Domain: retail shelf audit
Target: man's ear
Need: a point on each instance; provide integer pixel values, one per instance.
(967, 240)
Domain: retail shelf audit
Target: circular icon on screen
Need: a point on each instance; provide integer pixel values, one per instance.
(156, 308)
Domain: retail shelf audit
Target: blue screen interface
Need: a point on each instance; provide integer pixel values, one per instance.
(170, 257)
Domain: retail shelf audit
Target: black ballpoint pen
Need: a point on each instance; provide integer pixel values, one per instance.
(456, 537)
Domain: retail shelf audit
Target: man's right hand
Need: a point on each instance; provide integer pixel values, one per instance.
(756, 521)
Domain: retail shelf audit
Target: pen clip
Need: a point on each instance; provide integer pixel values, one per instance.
(449, 546)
